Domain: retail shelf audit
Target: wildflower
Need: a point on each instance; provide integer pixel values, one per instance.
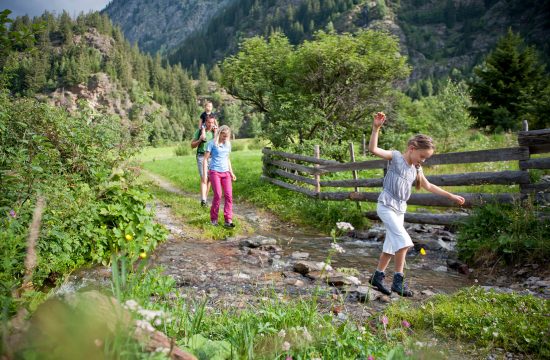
(158, 322)
(288, 357)
(143, 254)
(131, 305)
(422, 251)
(370, 357)
(286, 346)
(384, 320)
(307, 335)
(338, 248)
(13, 214)
(406, 324)
(129, 237)
(495, 334)
(282, 333)
(344, 226)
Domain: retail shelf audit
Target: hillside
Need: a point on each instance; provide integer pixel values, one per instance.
(440, 37)
(88, 59)
(162, 24)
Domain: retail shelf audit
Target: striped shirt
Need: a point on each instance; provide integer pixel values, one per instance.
(398, 183)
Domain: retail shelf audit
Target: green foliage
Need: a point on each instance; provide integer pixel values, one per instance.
(444, 116)
(322, 90)
(183, 150)
(513, 322)
(507, 85)
(73, 161)
(509, 232)
(232, 116)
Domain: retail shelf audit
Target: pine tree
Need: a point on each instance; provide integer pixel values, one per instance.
(202, 86)
(216, 73)
(507, 84)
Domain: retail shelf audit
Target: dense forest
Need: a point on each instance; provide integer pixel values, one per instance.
(70, 52)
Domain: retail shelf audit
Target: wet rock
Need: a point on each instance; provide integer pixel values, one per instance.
(304, 267)
(427, 293)
(440, 268)
(355, 281)
(257, 241)
(431, 244)
(458, 266)
(294, 282)
(297, 255)
(374, 233)
(337, 280)
(258, 252)
(241, 276)
(271, 248)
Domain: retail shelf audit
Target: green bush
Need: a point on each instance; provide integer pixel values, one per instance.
(183, 150)
(237, 146)
(511, 232)
(256, 144)
(72, 161)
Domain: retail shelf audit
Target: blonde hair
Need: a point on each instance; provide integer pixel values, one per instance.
(222, 129)
(420, 142)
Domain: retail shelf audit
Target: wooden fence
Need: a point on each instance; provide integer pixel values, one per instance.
(303, 174)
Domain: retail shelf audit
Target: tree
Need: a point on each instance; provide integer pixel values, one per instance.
(322, 90)
(232, 116)
(202, 86)
(507, 85)
(216, 73)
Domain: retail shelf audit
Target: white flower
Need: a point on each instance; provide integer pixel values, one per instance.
(344, 226)
(338, 248)
(142, 324)
(286, 346)
(150, 314)
(131, 305)
(158, 322)
(282, 333)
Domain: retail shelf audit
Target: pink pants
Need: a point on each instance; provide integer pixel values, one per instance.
(219, 181)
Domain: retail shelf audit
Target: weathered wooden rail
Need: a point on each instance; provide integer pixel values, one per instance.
(303, 174)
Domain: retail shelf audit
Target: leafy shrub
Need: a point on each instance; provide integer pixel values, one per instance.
(256, 144)
(183, 150)
(237, 146)
(511, 232)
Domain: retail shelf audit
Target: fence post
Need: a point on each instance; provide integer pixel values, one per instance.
(364, 145)
(522, 188)
(316, 153)
(352, 156)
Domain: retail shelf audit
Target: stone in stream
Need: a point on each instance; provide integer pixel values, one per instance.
(257, 241)
(304, 267)
(297, 255)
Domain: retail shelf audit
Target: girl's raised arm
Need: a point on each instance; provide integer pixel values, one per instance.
(377, 123)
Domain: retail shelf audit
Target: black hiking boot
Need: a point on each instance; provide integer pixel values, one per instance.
(377, 281)
(400, 287)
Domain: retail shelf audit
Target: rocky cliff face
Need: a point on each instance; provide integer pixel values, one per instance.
(161, 24)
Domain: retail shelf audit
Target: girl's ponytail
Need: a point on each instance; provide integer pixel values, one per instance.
(420, 142)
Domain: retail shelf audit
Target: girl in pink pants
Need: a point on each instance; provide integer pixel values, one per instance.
(220, 174)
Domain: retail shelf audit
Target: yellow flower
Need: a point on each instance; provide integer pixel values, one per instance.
(143, 254)
(129, 237)
(422, 251)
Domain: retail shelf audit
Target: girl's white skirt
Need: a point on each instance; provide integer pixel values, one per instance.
(396, 236)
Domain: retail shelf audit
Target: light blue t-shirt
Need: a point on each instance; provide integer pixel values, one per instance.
(219, 156)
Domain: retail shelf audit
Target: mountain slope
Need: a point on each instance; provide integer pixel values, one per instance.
(440, 37)
(162, 24)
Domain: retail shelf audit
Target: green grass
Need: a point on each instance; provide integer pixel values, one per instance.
(247, 165)
(189, 212)
(513, 322)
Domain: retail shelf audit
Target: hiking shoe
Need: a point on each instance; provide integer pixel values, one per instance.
(203, 203)
(229, 225)
(377, 281)
(400, 287)
(214, 223)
